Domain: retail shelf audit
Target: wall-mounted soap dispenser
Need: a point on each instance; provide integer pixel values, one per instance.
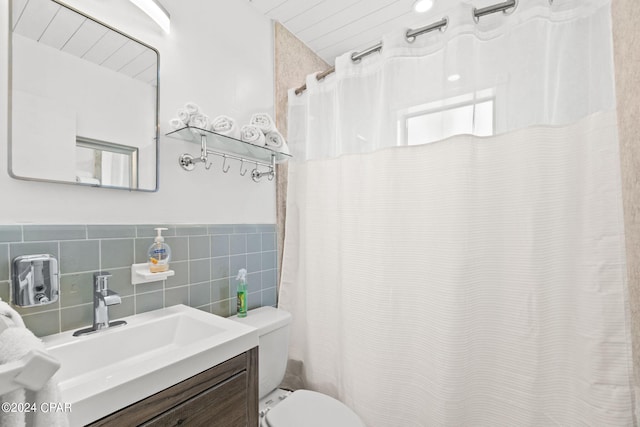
(35, 280)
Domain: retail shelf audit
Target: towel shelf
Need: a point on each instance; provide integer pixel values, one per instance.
(227, 148)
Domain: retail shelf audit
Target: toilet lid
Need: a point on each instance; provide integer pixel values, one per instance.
(304, 408)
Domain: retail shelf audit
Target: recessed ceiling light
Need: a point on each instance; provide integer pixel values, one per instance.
(422, 6)
(154, 9)
(454, 77)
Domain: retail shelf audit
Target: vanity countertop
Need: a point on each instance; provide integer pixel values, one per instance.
(111, 369)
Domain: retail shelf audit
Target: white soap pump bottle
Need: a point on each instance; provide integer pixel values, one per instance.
(159, 253)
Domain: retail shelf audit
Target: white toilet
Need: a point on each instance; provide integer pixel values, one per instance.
(281, 408)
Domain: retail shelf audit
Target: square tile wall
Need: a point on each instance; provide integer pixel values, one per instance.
(205, 258)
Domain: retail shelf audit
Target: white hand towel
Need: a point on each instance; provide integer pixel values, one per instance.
(263, 121)
(176, 124)
(225, 125)
(13, 419)
(15, 343)
(201, 121)
(191, 108)
(49, 393)
(14, 316)
(275, 139)
(253, 135)
(184, 115)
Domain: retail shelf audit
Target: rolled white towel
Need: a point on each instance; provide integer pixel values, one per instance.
(263, 121)
(253, 135)
(284, 149)
(184, 115)
(201, 121)
(225, 125)
(176, 124)
(192, 108)
(274, 139)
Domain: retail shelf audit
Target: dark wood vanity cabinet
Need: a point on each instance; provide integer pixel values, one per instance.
(223, 396)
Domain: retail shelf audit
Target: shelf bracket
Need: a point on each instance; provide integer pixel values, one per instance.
(188, 162)
(270, 174)
(203, 152)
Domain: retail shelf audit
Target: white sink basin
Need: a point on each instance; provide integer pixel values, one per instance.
(109, 370)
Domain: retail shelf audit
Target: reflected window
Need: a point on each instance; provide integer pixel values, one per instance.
(469, 114)
(106, 164)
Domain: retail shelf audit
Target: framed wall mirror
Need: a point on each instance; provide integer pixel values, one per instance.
(83, 100)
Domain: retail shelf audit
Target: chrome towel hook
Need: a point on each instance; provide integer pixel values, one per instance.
(207, 166)
(242, 173)
(224, 163)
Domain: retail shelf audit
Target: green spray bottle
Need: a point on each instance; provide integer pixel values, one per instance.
(242, 292)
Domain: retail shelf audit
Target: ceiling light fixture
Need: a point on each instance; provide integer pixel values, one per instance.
(454, 77)
(422, 6)
(154, 9)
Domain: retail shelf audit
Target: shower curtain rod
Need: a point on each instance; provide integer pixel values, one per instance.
(411, 35)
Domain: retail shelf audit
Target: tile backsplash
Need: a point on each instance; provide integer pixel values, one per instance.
(205, 258)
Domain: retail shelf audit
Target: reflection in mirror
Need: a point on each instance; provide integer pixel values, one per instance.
(104, 163)
(84, 100)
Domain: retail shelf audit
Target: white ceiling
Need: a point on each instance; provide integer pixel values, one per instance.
(49, 23)
(333, 27)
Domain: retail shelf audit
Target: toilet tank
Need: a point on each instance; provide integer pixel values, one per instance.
(273, 331)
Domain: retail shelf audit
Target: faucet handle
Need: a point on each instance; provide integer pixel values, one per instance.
(112, 298)
(100, 279)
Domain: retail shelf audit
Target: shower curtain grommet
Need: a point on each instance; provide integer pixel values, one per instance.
(512, 9)
(506, 8)
(411, 34)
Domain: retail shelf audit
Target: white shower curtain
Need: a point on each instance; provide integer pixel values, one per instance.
(476, 280)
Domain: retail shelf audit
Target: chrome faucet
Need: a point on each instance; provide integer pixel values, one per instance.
(103, 297)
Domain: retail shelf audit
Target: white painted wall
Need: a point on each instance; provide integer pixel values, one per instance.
(47, 127)
(219, 54)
